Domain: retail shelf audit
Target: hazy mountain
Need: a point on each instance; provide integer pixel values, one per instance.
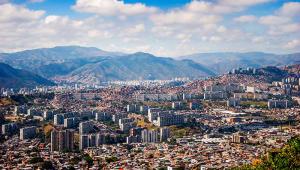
(49, 62)
(88, 64)
(16, 78)
(224, 62)
(137, 66)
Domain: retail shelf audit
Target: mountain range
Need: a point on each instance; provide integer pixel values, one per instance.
(221, 63)
(91, 65)
(137, 66)
(16, 78)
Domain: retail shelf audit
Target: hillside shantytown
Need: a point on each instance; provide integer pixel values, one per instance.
(221, 122)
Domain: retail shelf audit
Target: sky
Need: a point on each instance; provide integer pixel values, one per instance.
(162, 27)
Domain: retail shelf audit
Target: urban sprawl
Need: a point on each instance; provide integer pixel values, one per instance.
(215, 123)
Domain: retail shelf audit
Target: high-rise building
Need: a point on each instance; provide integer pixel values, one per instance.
(153, 113)
(282, 104)
(48, 115)
(27, 133)
(118, 116)
(168, 119)
(233, 102)
(9, 128)
(58, 119)
(95, 140)
(238, 138)
(71, 122)
(83, 142)
(86, 127)
(176, 105)
(131, 108)
(102, 116)
(62, 140)
(150, 136)
(194, 105)
(164, 134)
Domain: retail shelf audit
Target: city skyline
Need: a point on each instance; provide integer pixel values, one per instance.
(162, 28)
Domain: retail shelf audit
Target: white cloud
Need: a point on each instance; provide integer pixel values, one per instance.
(184, 17)
(282, 22)
(290, 9)
(245, 18)
(284, 29)
(274, 20)
(215, 39)
(136, 29)
(258, 39)
(243, 3)
(112, 7)
(209, 7)
(198, 26)
(293, 44)
(13, 13)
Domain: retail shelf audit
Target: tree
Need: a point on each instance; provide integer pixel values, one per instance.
(88, 159)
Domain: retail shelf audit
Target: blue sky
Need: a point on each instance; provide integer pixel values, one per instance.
(161, 27)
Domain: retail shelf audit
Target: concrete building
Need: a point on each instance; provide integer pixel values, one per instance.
(232, 102)
(194, 106)
(132, 108)
(168, 119)
(118, 116)
(58, 119)
(71, 122)
(83, 142)
(177, 105)
(150, 136)
(48, 115)
(214, 95)
(62, 140)
(27, 133)
(164, 134)
(103, 116)
(9, 128)
(153, 113)
(86, 127)
(281, 104)
(238, 138)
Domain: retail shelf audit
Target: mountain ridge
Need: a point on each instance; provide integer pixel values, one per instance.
(224, 62)
(92, 64)
(17, 78)
(137, 66)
